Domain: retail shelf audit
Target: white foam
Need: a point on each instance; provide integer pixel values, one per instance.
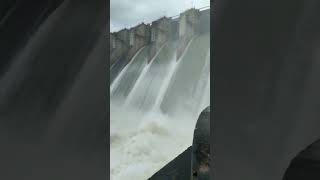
(142, 143)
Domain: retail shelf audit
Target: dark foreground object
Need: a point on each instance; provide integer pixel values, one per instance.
(306, 165)
(201, 147)
(193, 163)
(53, 87)
(266, 88)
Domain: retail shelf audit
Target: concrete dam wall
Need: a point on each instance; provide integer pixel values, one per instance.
(161, 83)
(125, 43)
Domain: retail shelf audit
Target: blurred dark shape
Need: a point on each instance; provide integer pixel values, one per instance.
(266, 86)
(53, 88)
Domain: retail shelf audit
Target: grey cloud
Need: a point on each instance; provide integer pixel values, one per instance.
(128, 13)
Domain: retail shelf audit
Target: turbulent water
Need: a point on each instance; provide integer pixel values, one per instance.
(154, 107)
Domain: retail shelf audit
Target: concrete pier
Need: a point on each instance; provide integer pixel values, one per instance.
(139, 36)
(160, 33)
(188, 27)
(119, 44)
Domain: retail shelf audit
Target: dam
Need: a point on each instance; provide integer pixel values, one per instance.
(159, 84)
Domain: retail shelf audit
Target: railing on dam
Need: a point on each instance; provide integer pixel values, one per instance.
(200, 9)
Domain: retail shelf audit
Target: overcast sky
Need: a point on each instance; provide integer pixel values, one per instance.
(128, 13)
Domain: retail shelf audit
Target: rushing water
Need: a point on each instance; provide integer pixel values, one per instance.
(154, 107)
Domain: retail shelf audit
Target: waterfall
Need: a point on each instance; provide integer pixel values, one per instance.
(154, 107)
(124, 70)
